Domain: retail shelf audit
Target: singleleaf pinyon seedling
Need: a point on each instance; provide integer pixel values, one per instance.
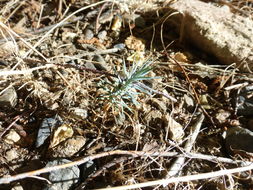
(127, 86)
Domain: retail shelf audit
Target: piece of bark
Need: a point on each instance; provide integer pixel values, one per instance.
(216, 30)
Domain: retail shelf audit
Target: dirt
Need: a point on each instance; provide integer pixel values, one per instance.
(85, 79)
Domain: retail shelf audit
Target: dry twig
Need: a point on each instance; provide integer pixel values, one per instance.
(134, 154)
(179, 162)
(165, 182)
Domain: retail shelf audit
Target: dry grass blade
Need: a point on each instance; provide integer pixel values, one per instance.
(23, 40)
(63, 69)
(165, 182)
(27, 71)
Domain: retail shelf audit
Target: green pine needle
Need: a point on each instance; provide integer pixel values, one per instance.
(126, 88)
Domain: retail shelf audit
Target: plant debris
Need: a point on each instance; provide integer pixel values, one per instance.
(101, 94)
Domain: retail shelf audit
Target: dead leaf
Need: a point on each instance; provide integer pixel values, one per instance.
(205, 102)
(222, 115)
(61, 134)
(151, 146)
(180, 57)
(175, 129)
(137, 57)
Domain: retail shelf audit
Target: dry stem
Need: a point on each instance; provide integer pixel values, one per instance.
(134, 154)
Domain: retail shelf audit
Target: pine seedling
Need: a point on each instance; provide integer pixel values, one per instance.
(128, 85)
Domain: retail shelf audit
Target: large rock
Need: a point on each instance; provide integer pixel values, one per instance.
(215, 30)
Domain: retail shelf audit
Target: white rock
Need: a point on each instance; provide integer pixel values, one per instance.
(11, 155)
(12, 137)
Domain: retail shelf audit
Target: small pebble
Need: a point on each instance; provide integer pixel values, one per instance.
(69, 147)
(100, 64)
(46, 128)
(89, 65)
(82, 113)
(11, 155)
(12, 137)
(17, 187)
(119, 46)
(244, 103)
(102, 35)
(88, 34)
(250, 124)
(140, 21)
(8, 98)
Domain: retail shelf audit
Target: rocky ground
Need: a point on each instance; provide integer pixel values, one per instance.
(98, 94)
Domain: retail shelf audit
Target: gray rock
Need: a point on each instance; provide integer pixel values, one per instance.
(87, 169)
(88, 34)
(239, 139)
(89, 65)
(137, 19)
(244, 102)
(17, 187)
(140, 21)
(100, 63)
(8, 98)
(62, 179)
(46, 128)
(215, 30)
(102, 35)
(11, 154)
(250, 124)
(120, 46)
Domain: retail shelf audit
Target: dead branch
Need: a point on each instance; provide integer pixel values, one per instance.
(133, 154)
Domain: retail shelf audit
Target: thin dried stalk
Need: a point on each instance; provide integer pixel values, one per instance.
(134, 154)
(179, 162)
(165, 182)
